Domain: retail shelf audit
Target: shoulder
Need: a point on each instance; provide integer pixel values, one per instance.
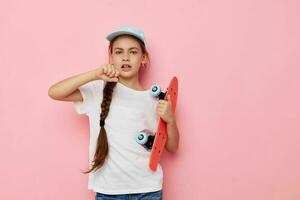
(98, 82)
(94, 84)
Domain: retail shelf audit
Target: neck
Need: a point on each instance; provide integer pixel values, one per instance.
(133, 83)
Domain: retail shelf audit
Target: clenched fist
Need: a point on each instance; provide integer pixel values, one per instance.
(107, 72)
(164, 110)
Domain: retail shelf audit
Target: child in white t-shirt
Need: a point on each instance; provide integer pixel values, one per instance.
(118, 108)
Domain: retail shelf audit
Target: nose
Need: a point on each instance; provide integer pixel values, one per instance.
(125, 57)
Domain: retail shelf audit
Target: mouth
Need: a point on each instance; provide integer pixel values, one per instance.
(125, 66)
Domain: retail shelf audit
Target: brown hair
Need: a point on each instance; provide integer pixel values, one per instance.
(102, 149)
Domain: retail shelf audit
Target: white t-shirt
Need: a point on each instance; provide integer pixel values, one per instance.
(127, 168)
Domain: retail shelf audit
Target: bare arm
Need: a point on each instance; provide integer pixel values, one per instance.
(67, 89)
(173, 137)
(164, 110)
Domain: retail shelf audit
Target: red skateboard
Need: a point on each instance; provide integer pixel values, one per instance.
(156, 143)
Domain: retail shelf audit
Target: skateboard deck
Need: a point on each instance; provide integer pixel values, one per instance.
(161, 135)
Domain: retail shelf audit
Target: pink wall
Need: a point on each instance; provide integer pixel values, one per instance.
(238, 110)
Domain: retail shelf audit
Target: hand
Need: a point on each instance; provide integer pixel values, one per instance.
(107, 72)
(164, 110)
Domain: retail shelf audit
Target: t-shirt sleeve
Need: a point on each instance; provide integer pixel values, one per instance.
(90, 92)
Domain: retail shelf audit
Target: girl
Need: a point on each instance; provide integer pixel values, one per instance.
(120, 167)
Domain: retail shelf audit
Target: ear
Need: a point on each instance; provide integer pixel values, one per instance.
(145, 59)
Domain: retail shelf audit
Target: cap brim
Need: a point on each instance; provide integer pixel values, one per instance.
(112, 35)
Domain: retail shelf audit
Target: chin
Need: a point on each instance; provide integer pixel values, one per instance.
(128, 74)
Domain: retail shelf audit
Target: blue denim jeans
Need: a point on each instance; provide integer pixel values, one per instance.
(138, 196)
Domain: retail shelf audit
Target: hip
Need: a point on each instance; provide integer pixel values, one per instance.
(157, 195)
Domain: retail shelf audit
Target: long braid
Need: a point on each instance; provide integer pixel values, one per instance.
(101, 152)
(102, 142)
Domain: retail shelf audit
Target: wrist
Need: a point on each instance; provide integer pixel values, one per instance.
(93, 74)
(172, 121)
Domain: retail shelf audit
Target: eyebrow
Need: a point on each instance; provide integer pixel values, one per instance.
(129, 48)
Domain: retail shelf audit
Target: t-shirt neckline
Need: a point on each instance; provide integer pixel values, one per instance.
(133, 90)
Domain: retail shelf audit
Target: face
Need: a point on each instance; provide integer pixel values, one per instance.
(127, 51)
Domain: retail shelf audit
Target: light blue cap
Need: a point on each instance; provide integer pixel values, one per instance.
(125, 29)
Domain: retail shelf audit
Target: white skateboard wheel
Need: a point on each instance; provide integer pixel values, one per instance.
(142, 137)
(155, 90)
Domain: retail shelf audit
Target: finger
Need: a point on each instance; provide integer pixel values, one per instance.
(113, 71)
(117, 73)
(162, 106)
(160, 110)
(114, 79)
(112, 74)
(112, 68)
(108, 70)
(169, 99)
(104, 69)
(161, 101)
(159, 113)
(159, 106)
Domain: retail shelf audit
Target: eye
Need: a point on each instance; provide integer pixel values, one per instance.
(134, 52)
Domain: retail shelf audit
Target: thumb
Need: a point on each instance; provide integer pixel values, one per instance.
(169, 98)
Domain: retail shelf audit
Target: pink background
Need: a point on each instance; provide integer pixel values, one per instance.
(238, 111)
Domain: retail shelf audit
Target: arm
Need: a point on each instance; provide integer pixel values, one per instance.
(173, 136)
(164, 110)
(67, 89)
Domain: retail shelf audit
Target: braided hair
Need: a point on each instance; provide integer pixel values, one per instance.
(102, 148)
(102, 143)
